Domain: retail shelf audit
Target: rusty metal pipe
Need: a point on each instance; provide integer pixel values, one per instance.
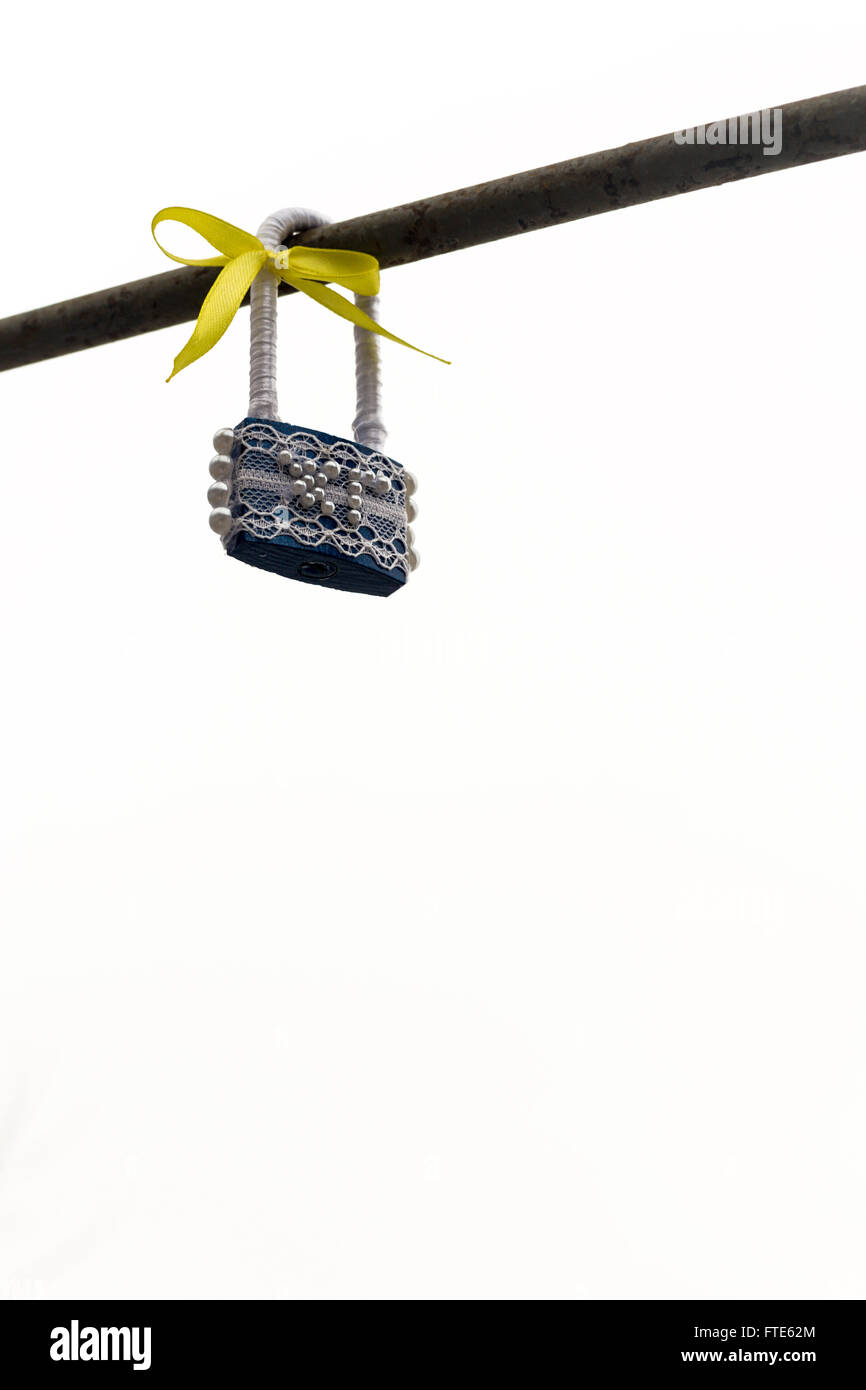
(820, 128)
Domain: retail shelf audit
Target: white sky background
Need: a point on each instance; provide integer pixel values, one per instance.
(503, 939)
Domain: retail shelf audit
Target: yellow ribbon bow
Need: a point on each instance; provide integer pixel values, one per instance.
(244, 255)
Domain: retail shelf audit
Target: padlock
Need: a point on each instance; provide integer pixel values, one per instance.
(300, 502)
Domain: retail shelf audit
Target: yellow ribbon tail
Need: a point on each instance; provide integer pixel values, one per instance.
(323, 294)
(221, 303)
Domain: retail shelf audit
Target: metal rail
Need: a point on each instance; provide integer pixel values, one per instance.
(820, 128)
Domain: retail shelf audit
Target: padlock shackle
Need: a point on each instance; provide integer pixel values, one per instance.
(368, 425)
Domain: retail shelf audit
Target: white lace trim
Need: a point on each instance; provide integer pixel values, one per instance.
(264, 503)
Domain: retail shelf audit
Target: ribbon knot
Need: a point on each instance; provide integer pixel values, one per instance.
(243, 255)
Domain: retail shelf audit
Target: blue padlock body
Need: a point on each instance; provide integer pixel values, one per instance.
(273, 531)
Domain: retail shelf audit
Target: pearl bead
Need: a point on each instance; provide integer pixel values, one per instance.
(410, 482)
(327, 507)
(221, 467)
(220, 520)
(382, 484)
(223, 441)
(410, 536)
(218, 494)
(414, 559)
(309, 466)
(321, 480)
(368, 477)
(354, 489)
(308, 501)
(284, 458)
(353, 518)
(332, 470)
(411, 509)
(295, 469)
(299, 486)
(318, 495)
(354, 475)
